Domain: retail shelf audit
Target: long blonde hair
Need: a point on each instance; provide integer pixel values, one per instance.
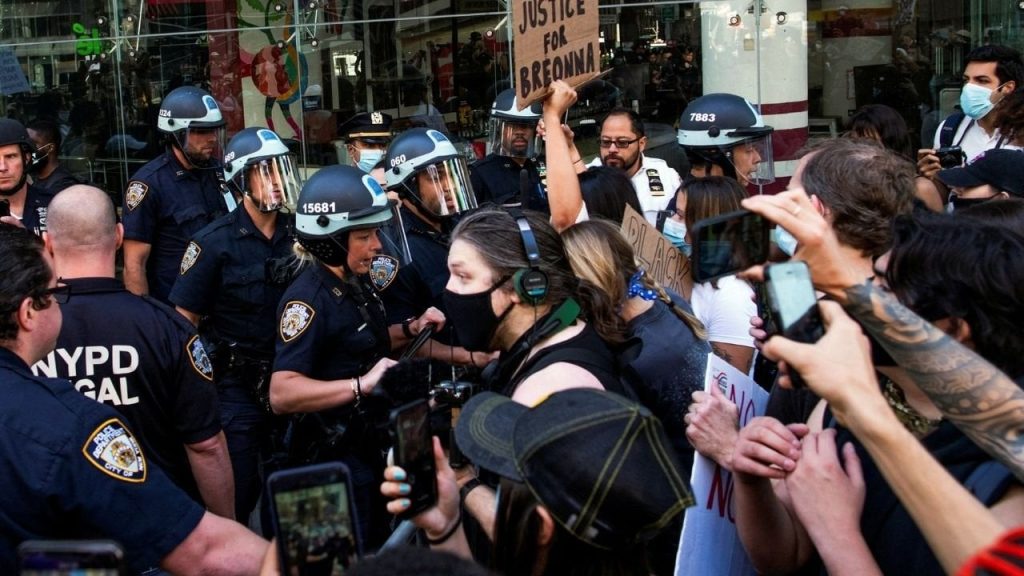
(601, 255)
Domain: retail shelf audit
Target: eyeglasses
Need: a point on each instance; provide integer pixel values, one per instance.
(61, 293)
(618, 142)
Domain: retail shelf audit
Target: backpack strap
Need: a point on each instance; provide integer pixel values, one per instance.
(949, 127)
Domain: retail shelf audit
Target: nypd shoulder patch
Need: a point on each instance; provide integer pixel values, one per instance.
(188, 259)
(135, 193)
(200, 360)
(296, 317)
(383, 270)
(114, 451)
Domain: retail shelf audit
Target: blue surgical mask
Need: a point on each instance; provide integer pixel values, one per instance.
(784, 240)
(675, 231)
(369, 158)
(976, 100)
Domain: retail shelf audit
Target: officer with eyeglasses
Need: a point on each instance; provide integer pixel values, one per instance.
(622, 141)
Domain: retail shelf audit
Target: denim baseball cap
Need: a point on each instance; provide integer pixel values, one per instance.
(599, 463)
(1000, 167)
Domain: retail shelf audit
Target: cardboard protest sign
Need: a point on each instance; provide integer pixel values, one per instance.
(662, 261)
(554, 40)
(709, 543)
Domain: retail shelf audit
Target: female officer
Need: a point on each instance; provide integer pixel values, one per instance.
(229, 284)
(332, 339)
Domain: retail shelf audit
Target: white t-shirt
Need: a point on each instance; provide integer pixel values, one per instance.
(725, 311)
(664, 178)
(973, 139)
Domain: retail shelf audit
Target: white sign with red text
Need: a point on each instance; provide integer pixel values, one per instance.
(709, 543)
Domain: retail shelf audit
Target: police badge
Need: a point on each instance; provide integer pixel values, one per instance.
(190, 257)
(383, 269)
(295, 319)
(136, 192)
(200, 359)
(113, 449)
(654, 183)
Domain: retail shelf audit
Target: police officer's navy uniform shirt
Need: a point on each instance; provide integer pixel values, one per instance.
(224, 274)
(321, 332)
(165, 205)
(419, 284)
(37, 200)
(495, 179)
(143, 359)
(72, 469)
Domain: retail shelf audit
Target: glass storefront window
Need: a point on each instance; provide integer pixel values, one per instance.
(100, 68)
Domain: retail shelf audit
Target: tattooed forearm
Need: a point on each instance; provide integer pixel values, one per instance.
(976, 396)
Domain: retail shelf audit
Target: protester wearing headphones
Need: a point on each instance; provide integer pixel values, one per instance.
(512, 289)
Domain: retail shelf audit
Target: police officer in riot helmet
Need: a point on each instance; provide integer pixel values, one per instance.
(26, 203)
(430, 178)
(230, 280)
(175, 195)
(332, 334)
(513, 147)
(723, 135)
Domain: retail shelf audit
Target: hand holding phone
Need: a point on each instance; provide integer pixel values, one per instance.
(794, 305)
(313, 519)
(414, 453)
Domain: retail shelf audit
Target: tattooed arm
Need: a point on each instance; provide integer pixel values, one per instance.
(838, 367)
(982, 401)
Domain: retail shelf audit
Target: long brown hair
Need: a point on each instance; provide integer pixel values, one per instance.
(599, 254)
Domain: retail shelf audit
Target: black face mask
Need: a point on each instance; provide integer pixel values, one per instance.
(959, 203)
(473, 319)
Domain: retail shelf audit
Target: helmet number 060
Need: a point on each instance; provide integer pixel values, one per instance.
(701, 117)
(318, 207)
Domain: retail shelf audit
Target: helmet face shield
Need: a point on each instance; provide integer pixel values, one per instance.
(203, 146)
(272, 183)
(753, 161)
(393, 242)
(513, 138)
(444, 188)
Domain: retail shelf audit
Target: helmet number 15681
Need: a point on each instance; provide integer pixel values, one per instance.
(318, 207)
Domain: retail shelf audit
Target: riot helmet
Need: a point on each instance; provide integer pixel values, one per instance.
(14, 132)
(423, 166)
(192, 120)
(725, 130)
(338, 200)
(513, 131)
(258, 165)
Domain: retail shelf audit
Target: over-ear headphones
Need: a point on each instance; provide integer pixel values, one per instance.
(531, 284)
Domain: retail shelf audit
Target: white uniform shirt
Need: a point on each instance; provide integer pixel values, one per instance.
(655, 183)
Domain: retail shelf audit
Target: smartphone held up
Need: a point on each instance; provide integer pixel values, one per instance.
(728, 243)
(314, 520)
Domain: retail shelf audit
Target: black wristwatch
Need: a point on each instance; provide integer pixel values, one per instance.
(405, 328)
(468, 487)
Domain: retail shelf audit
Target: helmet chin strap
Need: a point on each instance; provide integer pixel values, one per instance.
(414, 197)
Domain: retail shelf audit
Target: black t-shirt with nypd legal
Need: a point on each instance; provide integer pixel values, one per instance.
(143, 359)
(73, 469)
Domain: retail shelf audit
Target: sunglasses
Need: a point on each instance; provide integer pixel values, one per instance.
(618, 142)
